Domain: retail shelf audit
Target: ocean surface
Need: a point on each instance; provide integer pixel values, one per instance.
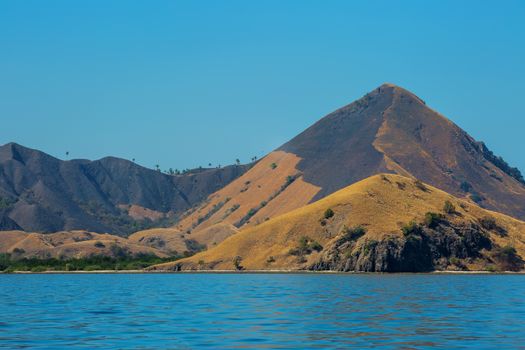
(288, 311)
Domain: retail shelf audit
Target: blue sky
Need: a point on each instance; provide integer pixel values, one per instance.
(185, 83)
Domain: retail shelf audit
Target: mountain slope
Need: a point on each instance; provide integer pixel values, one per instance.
(323, 235)
(44, 194)
(390, 130)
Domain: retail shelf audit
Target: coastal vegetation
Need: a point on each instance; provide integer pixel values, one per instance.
(9, 263)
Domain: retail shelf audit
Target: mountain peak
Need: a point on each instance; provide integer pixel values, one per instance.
(14, 151)
(398, 91)
(13, 146)
(390, 129)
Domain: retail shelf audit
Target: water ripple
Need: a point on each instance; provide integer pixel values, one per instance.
(283, 311)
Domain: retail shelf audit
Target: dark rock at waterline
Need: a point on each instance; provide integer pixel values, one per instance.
(430, 249)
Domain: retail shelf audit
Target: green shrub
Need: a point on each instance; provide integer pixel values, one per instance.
(305, 246)
(237, 263)
(302, 247)
(401, 185)
(449, 208)
(420, 185)
(316, 246)
(491, 268)
(385, 179)
(369, 246)
(273, 166)
(92, 263)
(354, 233)
(99, 244)
(508, 258)
(10, 269)
(488, 223)
(328, 213)
(411, 229)
(476, 198)
(18, 251)
(454, 261)
(118, 251)
(6, 203)
(465, 186)
(270, 260)
(432, 219)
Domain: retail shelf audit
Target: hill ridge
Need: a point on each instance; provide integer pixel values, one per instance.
(41, 193)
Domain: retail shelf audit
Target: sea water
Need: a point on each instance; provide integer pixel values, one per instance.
(287, 311)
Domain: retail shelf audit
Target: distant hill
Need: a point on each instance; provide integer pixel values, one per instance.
(389, 130)
(72, 245)
(40, 193)
(385, 223)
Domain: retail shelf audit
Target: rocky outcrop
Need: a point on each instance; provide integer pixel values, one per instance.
(420, 249)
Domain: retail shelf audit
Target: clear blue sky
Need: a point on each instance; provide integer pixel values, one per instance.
(185, 83)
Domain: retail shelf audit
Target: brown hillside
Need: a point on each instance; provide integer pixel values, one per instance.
(392, 130)
(164, 239)
(173, 241)
(40, 193)
(381, 204)
(269, 188)
(162, 242)
(70, 244)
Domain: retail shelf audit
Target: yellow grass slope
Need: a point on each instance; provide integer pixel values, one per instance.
(272, 187)
(162, 242)
(172, 240)
(382, 204)
(165, 239)
(213, 235)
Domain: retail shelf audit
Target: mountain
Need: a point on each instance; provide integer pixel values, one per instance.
(385, 223)
(40, 193)
(389, 130)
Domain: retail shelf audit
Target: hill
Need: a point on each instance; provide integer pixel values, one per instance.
(385, 223)
(71, 244)
(390, 130)
(40, 193)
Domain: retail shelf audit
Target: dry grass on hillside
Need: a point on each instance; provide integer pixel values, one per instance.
(165, 239)
(382, 204)
(272, 187)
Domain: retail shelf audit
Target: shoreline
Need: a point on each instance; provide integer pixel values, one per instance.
(292, 272)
